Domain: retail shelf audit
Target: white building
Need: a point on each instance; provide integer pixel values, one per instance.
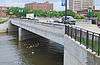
(79, 5)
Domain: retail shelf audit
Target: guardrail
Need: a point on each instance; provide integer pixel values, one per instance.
(90, 39)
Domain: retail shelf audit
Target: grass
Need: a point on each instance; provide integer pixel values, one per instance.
(95, 43)
(2, 20)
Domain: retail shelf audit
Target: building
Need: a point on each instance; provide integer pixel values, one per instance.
(3, 10)
(87, 3)
(84, 12)
(40, 6)
(79, 5)
(75, 5)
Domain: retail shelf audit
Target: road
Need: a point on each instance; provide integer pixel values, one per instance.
(88, 26)
(84, 25)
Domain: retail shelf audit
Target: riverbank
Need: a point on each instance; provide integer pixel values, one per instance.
(3, 25)
(2, 31)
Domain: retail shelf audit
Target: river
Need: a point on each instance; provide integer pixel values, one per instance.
(28, 52)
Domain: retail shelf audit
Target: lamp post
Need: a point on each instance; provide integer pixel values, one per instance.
(64, 3)
(65, 9)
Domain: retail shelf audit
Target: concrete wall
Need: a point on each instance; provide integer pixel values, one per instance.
(73, 53)
(92, 58)
(4, 26)
(76, 54)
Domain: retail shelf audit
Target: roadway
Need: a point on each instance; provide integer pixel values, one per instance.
(88, 26)
(84, 25)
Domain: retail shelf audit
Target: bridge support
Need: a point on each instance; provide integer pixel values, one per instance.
(19, 34)
(24, 34)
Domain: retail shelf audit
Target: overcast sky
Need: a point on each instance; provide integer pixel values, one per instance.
(57, 3)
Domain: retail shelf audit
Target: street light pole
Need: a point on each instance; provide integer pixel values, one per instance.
(65, 9)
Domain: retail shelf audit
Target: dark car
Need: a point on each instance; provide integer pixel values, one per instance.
(98, 24)
(68, 20)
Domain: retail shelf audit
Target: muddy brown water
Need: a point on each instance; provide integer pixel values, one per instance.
(29, 52)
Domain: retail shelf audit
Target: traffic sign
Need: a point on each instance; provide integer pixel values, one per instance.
(90, 12)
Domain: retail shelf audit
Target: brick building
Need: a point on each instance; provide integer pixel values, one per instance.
(84, 12)
(40, 6)
(3, 11)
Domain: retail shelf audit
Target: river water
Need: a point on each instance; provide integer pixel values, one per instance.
(28, 52)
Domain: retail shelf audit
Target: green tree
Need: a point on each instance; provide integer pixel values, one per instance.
(71, 13)
(77, 16)
(97, 14)
(18, 12)
(12, 10)
(22, 12)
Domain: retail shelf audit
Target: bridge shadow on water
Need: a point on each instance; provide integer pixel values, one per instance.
(40, 51)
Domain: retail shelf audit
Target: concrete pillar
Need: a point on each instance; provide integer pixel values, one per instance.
(19, 34)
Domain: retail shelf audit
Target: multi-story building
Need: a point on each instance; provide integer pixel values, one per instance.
(79, 5)
(3, 10)
(40, 6)
(87, 3)
(75, 5)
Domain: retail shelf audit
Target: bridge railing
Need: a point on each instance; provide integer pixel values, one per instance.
(89, 39)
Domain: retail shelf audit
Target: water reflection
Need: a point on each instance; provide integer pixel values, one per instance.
(28, 52)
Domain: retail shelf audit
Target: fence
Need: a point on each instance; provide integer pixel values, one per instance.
(90, 39)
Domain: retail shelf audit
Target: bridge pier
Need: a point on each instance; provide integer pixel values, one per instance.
(19, 34)
(24, 34)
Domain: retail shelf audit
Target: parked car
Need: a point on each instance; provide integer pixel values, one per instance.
(68, 20)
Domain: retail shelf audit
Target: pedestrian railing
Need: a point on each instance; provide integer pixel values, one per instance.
(88, 38)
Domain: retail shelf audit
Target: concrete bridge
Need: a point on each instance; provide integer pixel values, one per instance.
(74, 52)
(53, 32)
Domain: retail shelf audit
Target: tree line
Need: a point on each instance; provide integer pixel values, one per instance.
(21, 12)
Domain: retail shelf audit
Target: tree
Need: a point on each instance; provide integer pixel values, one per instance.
(22, 12)
(12, 10)
(77, 16)
(18, 12)
(71, 13)
(97, 14)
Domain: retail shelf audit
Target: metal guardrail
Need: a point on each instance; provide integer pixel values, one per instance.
(88, 38)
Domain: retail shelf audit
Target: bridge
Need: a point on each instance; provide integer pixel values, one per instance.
(53, 32)
(81, 47)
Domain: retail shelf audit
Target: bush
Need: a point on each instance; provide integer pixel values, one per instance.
(2, 20)
(79, 16)
(97, 14)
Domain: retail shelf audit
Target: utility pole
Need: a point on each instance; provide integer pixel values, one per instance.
(65, 9)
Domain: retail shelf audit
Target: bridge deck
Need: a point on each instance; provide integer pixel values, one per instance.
(53, 31)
